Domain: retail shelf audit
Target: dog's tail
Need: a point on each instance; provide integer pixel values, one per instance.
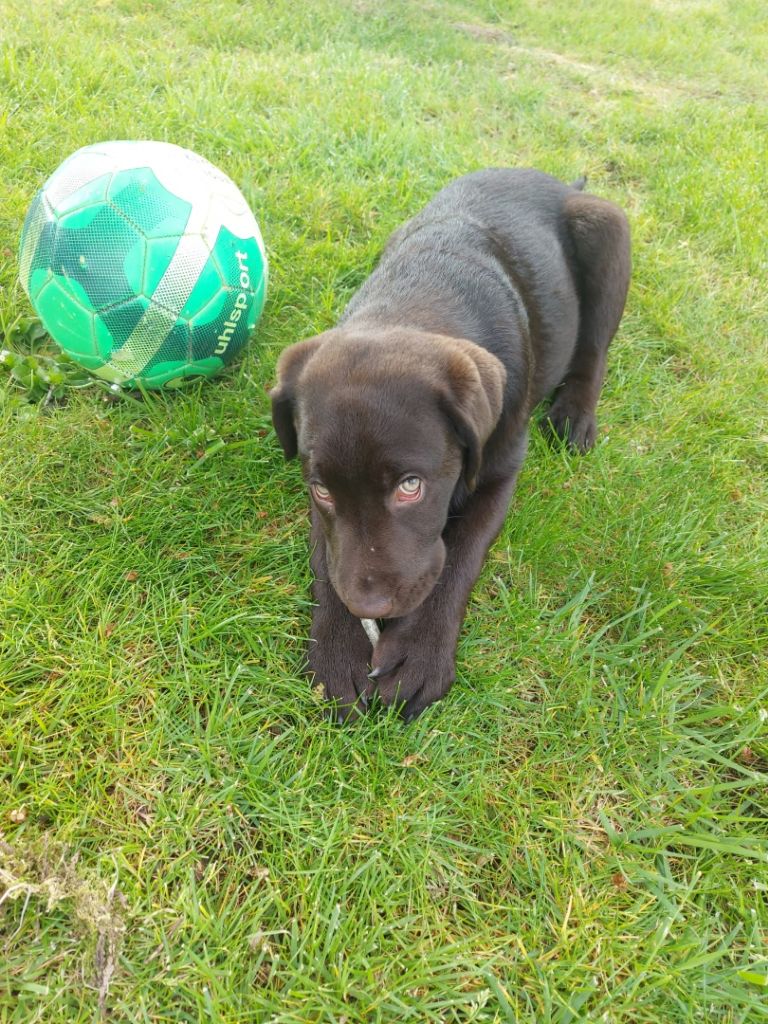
(579, 183)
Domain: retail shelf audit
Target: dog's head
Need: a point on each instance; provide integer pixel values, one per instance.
(387, 426)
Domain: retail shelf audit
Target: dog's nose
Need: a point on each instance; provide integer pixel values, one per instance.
(372, 606)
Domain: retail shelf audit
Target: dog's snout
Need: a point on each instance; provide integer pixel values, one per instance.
(369, 598)
(372, 606)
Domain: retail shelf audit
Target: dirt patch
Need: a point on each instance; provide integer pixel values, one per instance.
(599, 75)
(41, 875)
(486, 32)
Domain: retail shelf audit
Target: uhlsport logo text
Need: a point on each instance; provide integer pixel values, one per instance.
(240, 306)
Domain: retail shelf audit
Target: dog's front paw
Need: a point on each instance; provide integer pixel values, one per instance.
(569, 421)
(412, 667)
(338, 658)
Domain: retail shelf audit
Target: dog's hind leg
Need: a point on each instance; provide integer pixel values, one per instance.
(599, 233)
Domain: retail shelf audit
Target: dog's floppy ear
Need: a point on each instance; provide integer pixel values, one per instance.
(473, 400)
(289, 367)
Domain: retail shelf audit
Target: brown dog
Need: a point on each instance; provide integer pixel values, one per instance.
(411, 416)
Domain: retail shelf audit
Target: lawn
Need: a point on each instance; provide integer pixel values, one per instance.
(579, 831)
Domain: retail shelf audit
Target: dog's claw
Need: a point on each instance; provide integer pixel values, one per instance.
(377, 673)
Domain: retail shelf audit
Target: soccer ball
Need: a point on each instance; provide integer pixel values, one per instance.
(144, 262)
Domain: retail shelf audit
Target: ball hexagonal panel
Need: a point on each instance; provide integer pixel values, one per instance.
(90, 247)
(64, 304)
(147, 204)
(36, 247)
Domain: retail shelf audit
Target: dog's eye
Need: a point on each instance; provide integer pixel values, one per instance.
(322, 494)
(409, 489)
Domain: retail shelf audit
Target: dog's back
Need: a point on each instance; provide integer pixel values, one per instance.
(488, 259)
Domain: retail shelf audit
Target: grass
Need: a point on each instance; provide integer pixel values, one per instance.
(579, 831)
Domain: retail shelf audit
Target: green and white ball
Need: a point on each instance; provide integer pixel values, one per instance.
(144, 263)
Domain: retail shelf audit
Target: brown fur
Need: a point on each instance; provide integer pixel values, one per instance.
(509, 285)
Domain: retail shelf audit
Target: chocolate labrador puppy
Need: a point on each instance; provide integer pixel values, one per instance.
(411, 416)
